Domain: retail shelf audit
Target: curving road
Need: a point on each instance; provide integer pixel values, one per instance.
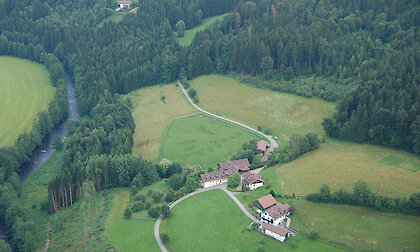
(221, 187)
(273, 143)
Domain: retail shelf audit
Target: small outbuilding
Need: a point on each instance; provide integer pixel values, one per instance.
(262, 146)
(277, 233)
(266, 202)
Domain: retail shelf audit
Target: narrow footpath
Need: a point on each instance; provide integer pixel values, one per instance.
(220, 187)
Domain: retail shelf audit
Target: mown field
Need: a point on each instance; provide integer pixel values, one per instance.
(284, 114)
(339, 164)
(202, 140)
(189, 34)
(152, 115)
(128, 234)
(211, 221)
(25, 90)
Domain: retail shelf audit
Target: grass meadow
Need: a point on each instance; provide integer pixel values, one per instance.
(189, 34)
(202, 140)
(284, 114)
(339, 164)
(128, 234)
(152, 115)
(25, 90)
(147, 191)
(211, 221)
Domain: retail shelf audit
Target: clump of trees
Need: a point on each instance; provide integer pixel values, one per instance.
(249, 151)
(234, 180)
(362, 195)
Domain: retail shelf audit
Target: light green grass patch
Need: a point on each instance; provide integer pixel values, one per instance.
(189, 34)
(202, 140)
(211, 221)
(25, 90)
(160, 186)
(340, 164)
(152, 116)
(401, 162)
(128, 234)
(284, 114)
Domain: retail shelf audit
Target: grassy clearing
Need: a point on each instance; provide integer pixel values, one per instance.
(340, 164)
(147, 191)
(202, 140)
(25, 90)
(152, 116)
(189, 34)
(211, 221)
(128, 234)
(284, 114)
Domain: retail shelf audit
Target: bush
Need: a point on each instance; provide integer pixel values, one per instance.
(164, 237)
(127, 212)
(168, 197)
(148, 205)
(195, 100)
(165, 211)
(137, 206)
(192, 93)
(139, 197)
(153, 212)
(157, 197)
(234, 180)
(313, 235)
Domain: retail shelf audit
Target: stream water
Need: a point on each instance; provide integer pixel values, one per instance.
(42, 153)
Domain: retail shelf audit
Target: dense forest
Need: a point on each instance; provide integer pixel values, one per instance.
(362, 54)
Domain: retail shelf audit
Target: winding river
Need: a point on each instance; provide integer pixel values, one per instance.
(39, 157)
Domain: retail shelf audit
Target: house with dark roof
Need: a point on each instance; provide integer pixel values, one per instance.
(275, 214)
(252, 181)
(214, 178)
(240, 165)
(277, 233)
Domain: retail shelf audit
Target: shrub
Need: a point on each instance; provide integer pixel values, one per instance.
(127, 212)
(153, 212)
(139, 197)
(165, 211)
(234, 180)
(168, 197)
(157, 196)
(164, 237)
(313, 235)
(148, 205)
(195, 100)
(192, 92)
(137, 206)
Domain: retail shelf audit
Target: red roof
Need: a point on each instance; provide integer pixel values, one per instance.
(278, 230)
(262, 145)
(267, 201)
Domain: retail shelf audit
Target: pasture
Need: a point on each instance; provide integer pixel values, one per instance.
(25, 90)
(128, 234)
(339, 164)
(284, 114)
(211, 221)
(190, 34)
(202, 140)
(152, 115)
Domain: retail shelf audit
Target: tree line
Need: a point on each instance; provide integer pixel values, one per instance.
(19, 228)
(362, 195)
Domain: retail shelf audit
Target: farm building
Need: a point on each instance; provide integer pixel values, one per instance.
(214, 178)
(125, 4)
(262, 146)
(265, 202)
(252, 181)
(241, 165)
(275, 214)
(277, 233)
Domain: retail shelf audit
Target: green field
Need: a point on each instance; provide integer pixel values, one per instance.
(284, 114)
(340, 164)
(189, 34)
(211, 221)
(25, 90)
(152, 116)
(128, 234)
(202, 140)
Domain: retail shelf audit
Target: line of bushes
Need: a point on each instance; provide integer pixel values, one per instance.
(362, 195)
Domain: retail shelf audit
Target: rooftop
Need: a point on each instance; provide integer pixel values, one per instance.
(267, 201)
(238, 165)
(262, 145)
(251, 178)
(278, 210)
(278, 230)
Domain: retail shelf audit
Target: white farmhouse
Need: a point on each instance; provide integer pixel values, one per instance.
(277, 233)
(275, 214)
(252, 181)
(214, 178)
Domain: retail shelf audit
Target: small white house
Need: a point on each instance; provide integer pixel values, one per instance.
(275, 214)
(277, 233)
(252, 181)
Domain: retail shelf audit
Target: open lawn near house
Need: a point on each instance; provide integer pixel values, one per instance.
(152, 115)
(128, 234)
(338, 164)
(202, 140)
(25, 90)
(284, 114)
(160, 186)
(190, 34)
(211, 221)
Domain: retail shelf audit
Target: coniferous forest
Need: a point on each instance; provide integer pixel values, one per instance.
(366, 52)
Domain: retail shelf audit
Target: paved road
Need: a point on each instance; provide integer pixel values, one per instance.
(273, 143)
(221, 187)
